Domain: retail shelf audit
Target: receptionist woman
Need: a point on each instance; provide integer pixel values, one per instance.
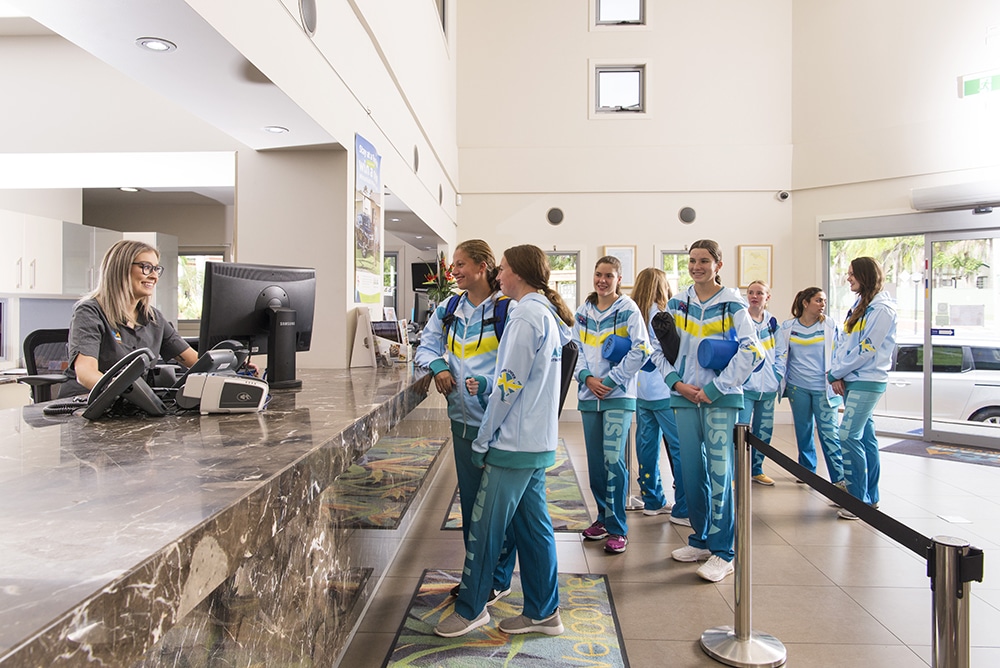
(118, 318)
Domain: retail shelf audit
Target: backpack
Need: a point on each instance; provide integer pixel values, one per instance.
(499, 319)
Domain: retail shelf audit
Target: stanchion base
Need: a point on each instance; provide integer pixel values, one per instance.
(634, 503)
(760, 649)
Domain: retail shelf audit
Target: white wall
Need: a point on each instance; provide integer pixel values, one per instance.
(875, 89)
(196, 224)
(717, 137)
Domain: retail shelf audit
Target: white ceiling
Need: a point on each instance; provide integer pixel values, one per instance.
(205, 74)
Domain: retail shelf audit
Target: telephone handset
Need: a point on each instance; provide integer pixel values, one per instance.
(124, 379)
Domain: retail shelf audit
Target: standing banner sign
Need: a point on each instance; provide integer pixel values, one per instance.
(367, 223)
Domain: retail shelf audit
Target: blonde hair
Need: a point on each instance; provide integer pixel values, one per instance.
(114, 287)
(651, 287)
(532, 265)
(617, 264)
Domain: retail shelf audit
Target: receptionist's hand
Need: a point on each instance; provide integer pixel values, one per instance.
(444, 382)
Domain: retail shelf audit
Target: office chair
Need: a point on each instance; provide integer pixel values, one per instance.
(46, 357)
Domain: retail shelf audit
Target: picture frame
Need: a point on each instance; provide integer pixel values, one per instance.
(625, 255)
(754, 263)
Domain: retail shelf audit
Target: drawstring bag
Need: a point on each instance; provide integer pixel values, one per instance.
(666, 333)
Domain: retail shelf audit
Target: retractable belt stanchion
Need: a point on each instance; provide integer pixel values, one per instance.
(950, 593)
(741, 645)
(632, 502)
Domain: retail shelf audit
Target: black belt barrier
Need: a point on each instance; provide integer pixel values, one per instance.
(894, 529)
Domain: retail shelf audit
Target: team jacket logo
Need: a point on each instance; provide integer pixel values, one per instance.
(508, 384)
(867, 347)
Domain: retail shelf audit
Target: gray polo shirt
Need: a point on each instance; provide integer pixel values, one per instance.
(91, 334)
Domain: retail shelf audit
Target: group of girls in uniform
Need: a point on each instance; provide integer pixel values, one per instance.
(503, 395)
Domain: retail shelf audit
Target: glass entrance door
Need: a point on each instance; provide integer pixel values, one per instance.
(961, 373)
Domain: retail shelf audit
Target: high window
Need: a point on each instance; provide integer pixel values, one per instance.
(619, 12)
(619, 88)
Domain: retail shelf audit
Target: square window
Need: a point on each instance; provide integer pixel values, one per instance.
(620, 89)
(615, 12)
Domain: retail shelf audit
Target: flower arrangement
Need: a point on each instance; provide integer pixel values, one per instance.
(440, 285)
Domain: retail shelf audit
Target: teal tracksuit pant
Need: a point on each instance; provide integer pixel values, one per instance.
(649, 425)
(469, 477)
(707, 454)
(810, 406)
(511, 499)
(758, 412)
(604, 433)
(862, 466)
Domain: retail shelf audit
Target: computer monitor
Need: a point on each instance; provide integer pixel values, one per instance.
(269, 308)
(421, 308)
(418, 275)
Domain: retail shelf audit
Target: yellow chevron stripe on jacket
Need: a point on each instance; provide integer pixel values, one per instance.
(474, 347)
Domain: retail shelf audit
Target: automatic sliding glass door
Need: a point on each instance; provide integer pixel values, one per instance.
(961, 403)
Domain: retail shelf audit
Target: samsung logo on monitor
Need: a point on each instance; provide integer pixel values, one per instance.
(287, 324)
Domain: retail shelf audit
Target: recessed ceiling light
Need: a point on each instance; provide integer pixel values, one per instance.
(396, 220)
(274, 129)
(418, 237)
(128, 189)
(155, 44)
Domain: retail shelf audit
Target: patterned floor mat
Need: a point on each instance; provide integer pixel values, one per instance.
(591, 638)
(375, 491)
(566, 505)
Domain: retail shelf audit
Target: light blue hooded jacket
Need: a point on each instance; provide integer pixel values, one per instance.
(591, 328)
(863, 355)
(697, 321)
(764, 379)
(520, 427)
(469, 351)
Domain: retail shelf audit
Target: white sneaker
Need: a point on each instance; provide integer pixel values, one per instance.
(715, 569)
(665, 508)
(682, 521)
(689, 553)
(846, 514)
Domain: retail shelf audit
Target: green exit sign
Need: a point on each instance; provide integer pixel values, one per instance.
(974, 84)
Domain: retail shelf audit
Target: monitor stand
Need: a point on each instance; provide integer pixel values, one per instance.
(281, 350)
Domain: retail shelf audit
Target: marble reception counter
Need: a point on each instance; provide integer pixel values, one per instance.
(114, 532)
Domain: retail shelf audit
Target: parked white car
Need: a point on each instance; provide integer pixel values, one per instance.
(966, 382)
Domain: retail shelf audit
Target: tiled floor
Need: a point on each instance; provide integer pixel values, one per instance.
(835, 592)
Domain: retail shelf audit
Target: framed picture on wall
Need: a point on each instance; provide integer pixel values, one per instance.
(753, 264)
(625, 255)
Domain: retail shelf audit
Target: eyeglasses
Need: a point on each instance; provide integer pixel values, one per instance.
(147, 268)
